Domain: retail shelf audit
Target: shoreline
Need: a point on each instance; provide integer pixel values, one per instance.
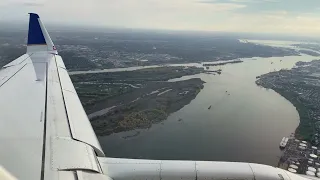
(300, 87)
(299, 107)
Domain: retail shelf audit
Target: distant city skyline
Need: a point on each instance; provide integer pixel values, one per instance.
(259, 16)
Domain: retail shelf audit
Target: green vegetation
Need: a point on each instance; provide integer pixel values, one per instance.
(148, 108)
(314, 47)
(102, 50)
(142, 118)
(148, 74)
(98, 87)
(311, 53)
(140, 98)
(92, 93)
(73, 61)
(223, 63)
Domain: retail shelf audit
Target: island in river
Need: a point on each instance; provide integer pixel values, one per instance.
(223, 63)
(301, 86)
(123, 101)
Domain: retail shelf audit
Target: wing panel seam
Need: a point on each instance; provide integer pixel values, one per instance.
(254, 176)
(45, 127)
(12, 75)
(69, 91)
(63, 68)
(64, 102)
(19, 62)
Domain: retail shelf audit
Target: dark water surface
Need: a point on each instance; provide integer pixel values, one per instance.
(246, 125)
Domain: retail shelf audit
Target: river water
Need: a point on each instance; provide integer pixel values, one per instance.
(245, 123)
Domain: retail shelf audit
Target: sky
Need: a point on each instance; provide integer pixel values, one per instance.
(260, 16)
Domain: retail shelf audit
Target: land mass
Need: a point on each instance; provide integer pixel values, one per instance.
(92, 50)
(300, 86)
(135, 99)
(309, 52)
(223, 63)
(313, 46)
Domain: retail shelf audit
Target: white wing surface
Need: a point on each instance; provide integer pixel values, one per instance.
(44, 131)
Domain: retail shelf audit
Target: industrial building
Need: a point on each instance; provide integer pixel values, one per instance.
(299, 157)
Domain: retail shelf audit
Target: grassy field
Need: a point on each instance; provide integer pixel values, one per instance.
(140, 98)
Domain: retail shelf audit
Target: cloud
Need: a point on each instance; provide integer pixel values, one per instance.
(217, 15)
(32, 4)
(238, 1)
(271, 23)
(276, 13)
(23, 3)
(270, 0)
(244, 1)
(224, 6)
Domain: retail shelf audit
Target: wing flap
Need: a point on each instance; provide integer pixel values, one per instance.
(87, 175)
(56, 113)
(80, 126)
(63, 152)
(68, 154)
(65, 80)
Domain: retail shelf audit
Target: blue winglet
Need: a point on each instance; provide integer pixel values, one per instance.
(35, 35)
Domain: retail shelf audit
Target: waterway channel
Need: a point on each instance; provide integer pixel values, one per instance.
(245, 122)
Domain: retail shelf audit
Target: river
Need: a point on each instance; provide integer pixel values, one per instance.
(245, 122)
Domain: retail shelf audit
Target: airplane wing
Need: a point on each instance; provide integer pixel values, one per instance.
(45, 133)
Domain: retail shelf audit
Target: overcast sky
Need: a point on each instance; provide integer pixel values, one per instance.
(274, 16)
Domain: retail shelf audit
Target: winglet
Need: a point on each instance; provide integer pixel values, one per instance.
(38, 37)
(35, 35)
